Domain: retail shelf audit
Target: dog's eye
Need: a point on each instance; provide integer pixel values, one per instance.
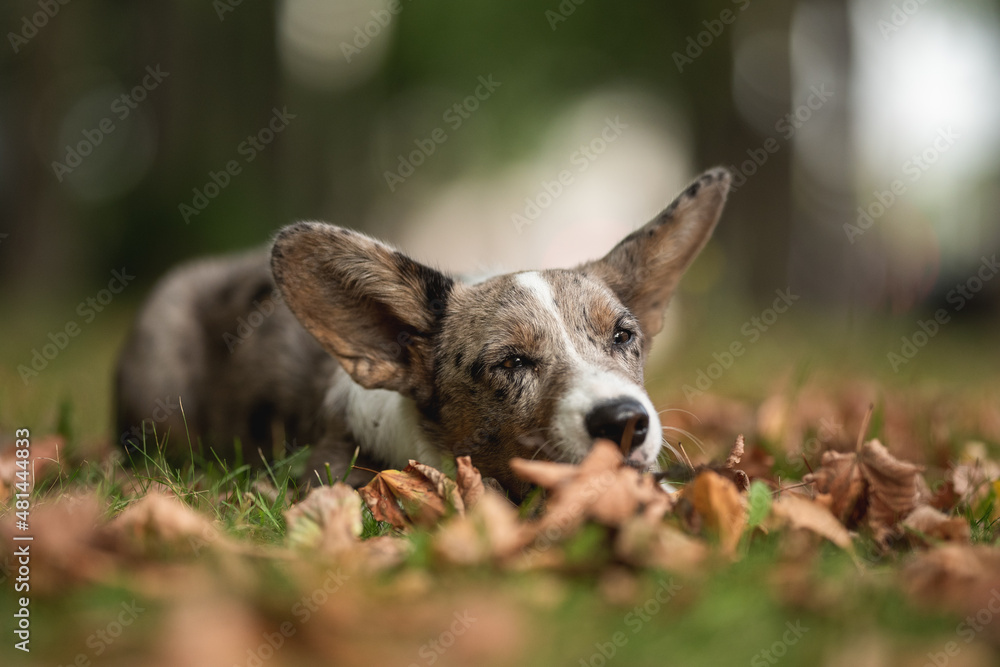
(514, 361)
(621, 337)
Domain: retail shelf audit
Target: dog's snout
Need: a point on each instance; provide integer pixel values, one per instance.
(611, 419)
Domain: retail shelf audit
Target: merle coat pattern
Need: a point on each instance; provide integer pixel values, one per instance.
(336, 340)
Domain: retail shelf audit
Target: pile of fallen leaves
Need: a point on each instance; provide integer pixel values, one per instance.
(867, 490)
(866, 493)
(690, 520)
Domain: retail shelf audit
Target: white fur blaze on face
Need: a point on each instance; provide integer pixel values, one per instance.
(536, 283)
(588, 387)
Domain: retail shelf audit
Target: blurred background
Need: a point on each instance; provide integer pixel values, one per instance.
(863, 137)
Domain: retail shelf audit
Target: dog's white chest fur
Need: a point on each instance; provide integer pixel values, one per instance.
(385, 423)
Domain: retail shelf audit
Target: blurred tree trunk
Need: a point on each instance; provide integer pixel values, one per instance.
(739, 127)
(36, 253)
(823, 263)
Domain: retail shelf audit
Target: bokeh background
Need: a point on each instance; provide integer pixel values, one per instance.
(818, 107)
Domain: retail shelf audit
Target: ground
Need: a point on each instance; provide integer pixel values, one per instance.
(212, 566)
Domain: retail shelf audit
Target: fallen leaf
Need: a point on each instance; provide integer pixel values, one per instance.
(67, 548)
(720, 507)
(801, 512)
(418, 494)
(645, 543)
(329, 519)
(841, 485)
(945, 497)
(470, 482)
(44, 460)
(929, 522)
(499, 519)
(612, 485)
(382, 502)
(736, 453)
(546, 474)
(757, 463)
(602, 488)
(958, 577)
(445, 487)
(383, 552)
(895, 488)
(870, 485)
(159, 521)
(461, 542)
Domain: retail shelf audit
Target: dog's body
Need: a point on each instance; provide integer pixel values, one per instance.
(338, 341)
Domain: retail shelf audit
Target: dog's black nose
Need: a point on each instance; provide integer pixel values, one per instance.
(610, 420)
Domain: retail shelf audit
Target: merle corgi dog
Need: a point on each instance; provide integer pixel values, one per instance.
(333, 339)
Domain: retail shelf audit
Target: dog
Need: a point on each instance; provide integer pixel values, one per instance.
(336, 340)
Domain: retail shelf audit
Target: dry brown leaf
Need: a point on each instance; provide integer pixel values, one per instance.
(895, 488)
(461, 542)
(446, 487)
(499, 519)
(546, 474)
(960, 577)
(757, 463)
(736, 453)
(67, 548)
(602, 489)
(612, 485)
(383, 552)
(929, 522)
(801, 512)
(841, 485)
(44, 459)
(421, 494)
(729, 470)
(425, 494)
(657, 502)
(489, 531)
(648, 543)
(871, 485)
(718, 503)
(470, 482)
(159, 521)
(329, 519)
(381, 500)
(944, 498)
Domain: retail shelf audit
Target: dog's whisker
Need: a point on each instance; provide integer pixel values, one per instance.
(676, 452)
(690, 436)
(687, 412)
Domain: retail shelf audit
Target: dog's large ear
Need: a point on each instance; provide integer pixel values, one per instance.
(644, 269)
(370, 306)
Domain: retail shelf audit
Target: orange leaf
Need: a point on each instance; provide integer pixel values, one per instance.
(718, 502)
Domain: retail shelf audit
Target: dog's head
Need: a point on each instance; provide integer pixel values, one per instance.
(531, 364)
